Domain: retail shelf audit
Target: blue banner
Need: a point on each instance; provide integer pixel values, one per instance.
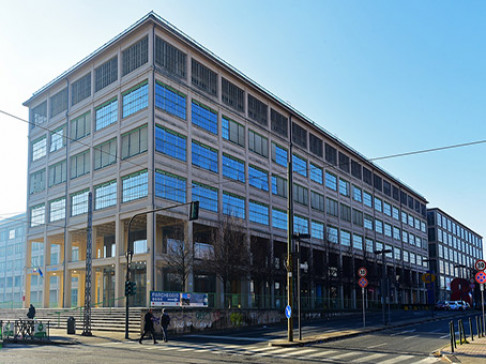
(159, 299)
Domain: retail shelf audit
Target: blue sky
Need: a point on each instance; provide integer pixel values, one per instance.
(386, 77)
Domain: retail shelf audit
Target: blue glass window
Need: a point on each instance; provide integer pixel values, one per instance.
(170, 186)
(135, 186)
(301, 225)
(204, 117)
(367, 199)
(207, 196)
(233, 205)
(170, 100)
(258, 178)
(233, 131)
(345, 238)
(170, 143)
(106, 114)
(317, 230)
(279, 155)
(258, 213)
(299, 165)
(316, 173)
(233, 168)
(135, 99)
(357, 194)
(343, 187)
(331, 181)
(204, 157)
(105, 195)
(279, 219)
(279, 186)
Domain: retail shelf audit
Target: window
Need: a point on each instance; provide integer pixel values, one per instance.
(331, 181)
(233, 205)
(206, 195)
(317, 201)
(386, 188)
(59, 102)
(258, 178)
(58, 139)
(396, 233)
(404, 236)
(343, 187)
(367, 199)
(57, 209)
(233, 168)
(39, 148)
(345, 238)
(378, 204)
(204, 117)
(387, 208)
(301, 194)
(315, 145)
(106, 114)
(258, 213)
(37, 182)
(135, 56)
(357, 194)
(355, 169)
(105, 154)
(279, 186)
(37, 215)
(170, 143)
(299, 165)
(38, 114)
(331, 207)
(377, 182)
(170, 186)
(81, 89)
(332, 234)
(345, 212)
(170, 100)
(204, 157)
(135, 99)
(105, 195)
(331, 154)
(81, 126)
(79, 202)
(357, 242)
(57, 173)
(257, 143)
(257, 110)
(316, 173)
(279, 155)
(232, 95)
(404, 218)
(106, 74)
(357, 218)
(343, 162)
(395, 213)
(370, 246)
(134, 142)
(279, 219)
(135, 186)
(301, 225)
(367, 176)
(368, 222)
(388, 230)
(299, 135)
(80, 164)
(280, 123)
(233, 131)
(379, 226)
(317, 230)
(171, 59)
(203, 78)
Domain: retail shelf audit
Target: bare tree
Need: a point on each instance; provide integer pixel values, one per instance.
(179, 258)
(263, 267)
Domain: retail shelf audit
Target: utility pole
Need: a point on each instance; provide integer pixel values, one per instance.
(87, 281)
(384, 288)
(290, 233)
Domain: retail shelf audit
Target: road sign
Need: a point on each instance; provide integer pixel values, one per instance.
(288, 312)
(480, 277)
(362, 272)
(480, 265)
(362, 282)
(428, 278)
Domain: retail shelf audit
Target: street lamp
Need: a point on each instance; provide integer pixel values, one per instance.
(299, 237)
(384, 287)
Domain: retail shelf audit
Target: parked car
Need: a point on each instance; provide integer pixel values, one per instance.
(440, 305)
(451, 305)
(462, 305)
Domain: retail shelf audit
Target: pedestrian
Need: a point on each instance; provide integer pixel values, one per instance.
(148, 326)
(31, 313)
(164, 321)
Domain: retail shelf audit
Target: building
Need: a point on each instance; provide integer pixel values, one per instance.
(152, 119)
(12, 261)
(453, 250)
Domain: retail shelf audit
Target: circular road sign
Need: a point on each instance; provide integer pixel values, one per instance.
(480, 265)
(362, 282)
(288, 312)
(480, 277)
(362, 272)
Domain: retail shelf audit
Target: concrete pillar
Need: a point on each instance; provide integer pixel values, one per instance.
(189, 244)
(150, 262)
(119, 253)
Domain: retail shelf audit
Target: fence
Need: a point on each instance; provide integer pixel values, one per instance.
(480, 332)
(24, 329)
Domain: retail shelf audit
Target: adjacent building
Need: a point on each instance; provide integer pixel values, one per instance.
(153, 119)
(12, 261)
(453, 250)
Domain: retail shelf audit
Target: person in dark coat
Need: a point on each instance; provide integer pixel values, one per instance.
(148, 326)
(164, 322)
(31, 313)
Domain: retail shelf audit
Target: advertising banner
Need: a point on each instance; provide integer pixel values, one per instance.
(162, 299)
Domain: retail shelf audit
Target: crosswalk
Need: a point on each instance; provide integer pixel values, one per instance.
(307, 354)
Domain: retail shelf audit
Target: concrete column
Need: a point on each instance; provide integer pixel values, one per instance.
(119, 254)
(189, 244)
(151, 244)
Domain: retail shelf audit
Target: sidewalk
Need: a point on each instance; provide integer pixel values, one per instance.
(472, 353)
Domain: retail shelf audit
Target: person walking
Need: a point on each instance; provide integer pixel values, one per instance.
(31, 313)
(148, 326)
(164, 321)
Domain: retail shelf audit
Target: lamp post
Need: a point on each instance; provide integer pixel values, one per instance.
(430, 285)
(384, 287)
(129, 256)
(298, 237)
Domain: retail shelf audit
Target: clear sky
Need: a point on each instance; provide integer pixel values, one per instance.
(386, 77)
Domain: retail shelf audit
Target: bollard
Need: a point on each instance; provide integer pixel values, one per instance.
(460, 328)
(471, 329)
(477, 327)
(451, 332)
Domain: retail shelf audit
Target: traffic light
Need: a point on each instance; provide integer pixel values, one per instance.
(128, 288)
(134, 288)
(194, 210)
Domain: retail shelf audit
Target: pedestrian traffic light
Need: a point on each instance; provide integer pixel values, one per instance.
(194, 210)
(133, 288)
(128, 288)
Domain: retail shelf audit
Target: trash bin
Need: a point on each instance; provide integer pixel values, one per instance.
(71, 326)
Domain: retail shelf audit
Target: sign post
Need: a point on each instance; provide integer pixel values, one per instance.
(363, 282)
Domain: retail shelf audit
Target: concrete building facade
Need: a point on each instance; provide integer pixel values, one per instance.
(153, 119)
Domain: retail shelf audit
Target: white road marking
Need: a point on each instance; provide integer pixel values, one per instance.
(344, 355)
(369, 358)
(321, 353)
(226, 337)
(397, 359)
(376, 346)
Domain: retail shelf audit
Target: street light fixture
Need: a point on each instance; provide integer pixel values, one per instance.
(384, 287)
(299, 237)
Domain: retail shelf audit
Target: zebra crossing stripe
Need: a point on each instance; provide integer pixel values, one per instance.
(298, 353)
(397, 359)
(344, 355)
(370, 358)
(320, 353)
